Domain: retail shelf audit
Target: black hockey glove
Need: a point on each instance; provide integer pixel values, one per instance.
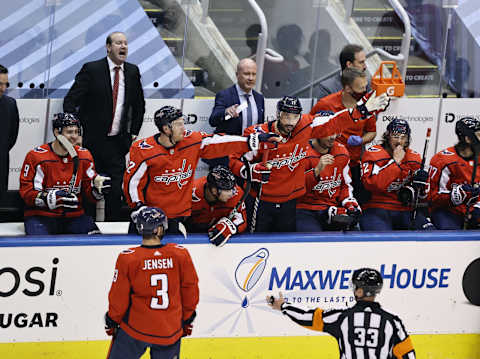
(464, 193)
(254, 140)
(474, 217)
(420, 180)
(56, 198)
(111, 326)
(406, 195)
(256, 172)
(188, 325)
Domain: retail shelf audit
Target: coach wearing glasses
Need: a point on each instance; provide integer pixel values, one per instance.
(108, 96)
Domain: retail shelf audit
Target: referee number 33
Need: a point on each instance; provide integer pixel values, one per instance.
(366, 337)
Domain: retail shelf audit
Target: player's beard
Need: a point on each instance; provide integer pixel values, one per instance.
(283, 131)
(358, 95)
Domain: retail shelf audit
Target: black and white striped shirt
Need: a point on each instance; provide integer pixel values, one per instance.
(364, 331)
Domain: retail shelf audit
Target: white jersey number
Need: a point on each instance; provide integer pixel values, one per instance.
(162, 292)
(367, 337)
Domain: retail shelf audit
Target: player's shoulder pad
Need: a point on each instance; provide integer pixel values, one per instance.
(83, 153)
(40, 149)
(143, 144)
(258, 128)
(447, 152)
(178, 246)
(128, 251)
(374, 148)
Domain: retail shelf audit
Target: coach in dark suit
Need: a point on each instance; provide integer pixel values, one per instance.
(225, 117)
(108, 96)
(227, 101)
(10, 121)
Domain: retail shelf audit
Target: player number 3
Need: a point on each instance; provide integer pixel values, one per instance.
(162, 292)
(366, 336)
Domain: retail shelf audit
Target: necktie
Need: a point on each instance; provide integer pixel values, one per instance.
(249, 111)
(115, 90)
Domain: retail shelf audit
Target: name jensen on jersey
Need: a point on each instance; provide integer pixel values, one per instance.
(162, 263)
(290, 161)
(181, 176)
(329, 185)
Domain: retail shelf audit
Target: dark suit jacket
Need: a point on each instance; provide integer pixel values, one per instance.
(91, 97)
(10, 121)
(227, 98)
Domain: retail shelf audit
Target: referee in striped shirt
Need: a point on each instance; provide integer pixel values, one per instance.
(364, 331)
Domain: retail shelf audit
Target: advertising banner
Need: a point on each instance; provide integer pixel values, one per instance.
(30, 134)
(454, 109)
(60, 293)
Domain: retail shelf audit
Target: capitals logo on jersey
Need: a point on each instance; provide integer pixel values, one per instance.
(291, 161)
(330, 184)
(39, 150)
(181, 176)
(397, 184)
(144, 145)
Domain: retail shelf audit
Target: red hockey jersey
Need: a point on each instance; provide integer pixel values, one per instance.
(205, 215)
(44, 170)
(333, 102)
(332, 186)
(287, 179)
(446, 169)
(154, 288)
(162, 177)
(383, 177)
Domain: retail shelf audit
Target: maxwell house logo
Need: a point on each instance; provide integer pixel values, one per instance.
(239, 309)
(250, 269)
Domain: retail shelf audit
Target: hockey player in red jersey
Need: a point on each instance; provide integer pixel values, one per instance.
(391, 172)
(154, 294)
(214, 199)
(162, 167)
(328, 203)
(277, 206)
(451, 172)
(53, 191)
(355, 135)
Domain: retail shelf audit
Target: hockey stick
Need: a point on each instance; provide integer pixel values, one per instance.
(422, 165)
(466, 219)
(73, 153)
(259, 194)
(111, 343)
(246, 191)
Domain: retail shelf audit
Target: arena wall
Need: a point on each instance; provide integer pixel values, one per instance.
(439, 115)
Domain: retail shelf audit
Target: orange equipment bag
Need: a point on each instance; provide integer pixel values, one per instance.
(393, 86)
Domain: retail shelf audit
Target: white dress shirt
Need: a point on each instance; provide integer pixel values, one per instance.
(120, 96)
(253, 105)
